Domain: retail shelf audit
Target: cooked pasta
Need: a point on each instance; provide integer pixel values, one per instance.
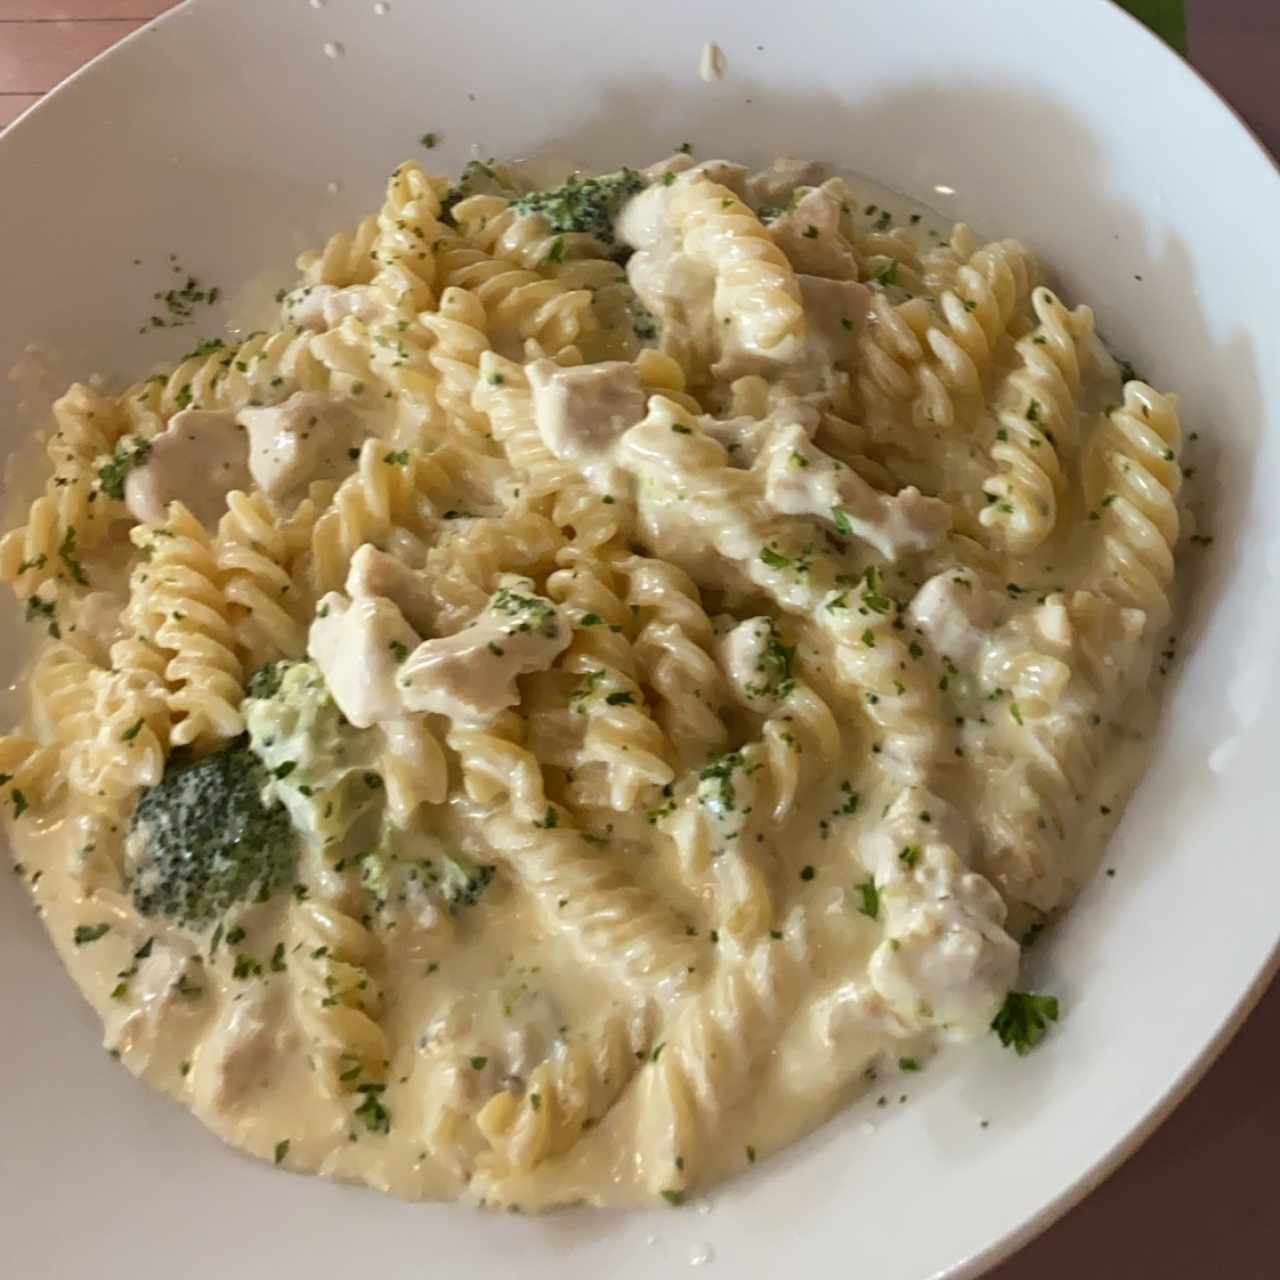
(612, 665)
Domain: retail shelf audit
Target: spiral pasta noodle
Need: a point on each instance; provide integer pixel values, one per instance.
(459, 330)
(620, 737)
(606, 915)
(179, 604)
(1135, 478)
(757, 299)
(562, 1097)
(707, 1062)
(1036, 417)
(389, 489)
(520, 304)
(345, 259)
(337, 997)
(254, 550)
(673, 650)
(30, 772)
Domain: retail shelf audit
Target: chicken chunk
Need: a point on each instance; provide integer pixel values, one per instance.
(324, 306)
(835, 310)
(809, 234)
(308, 437)
(946, 961)
(582, 411)
(776, 185)
(471, 676)
(955, 613)
(359, 646)
(375, 573)
(802, 480)
(675, 288)
(199, 458)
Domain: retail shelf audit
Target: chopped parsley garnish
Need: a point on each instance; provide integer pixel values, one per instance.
(910, 855)
(282, 1150)
(377, 1119)
(70, 557)
(87, 933)
(587, 206)
(40, 608)
(843, 525)
(870, 899)
(534, 613)
(112, 474)
(872, 597)
(1023, 1020)
(719, 770)
(888, 275)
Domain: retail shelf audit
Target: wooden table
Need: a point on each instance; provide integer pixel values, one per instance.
(1198, 1199)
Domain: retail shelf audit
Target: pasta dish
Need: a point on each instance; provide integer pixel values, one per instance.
(622, 666)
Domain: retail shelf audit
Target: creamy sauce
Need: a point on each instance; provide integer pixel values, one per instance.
(690, 740)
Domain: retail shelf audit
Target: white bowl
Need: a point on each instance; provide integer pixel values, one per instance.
(217, 133)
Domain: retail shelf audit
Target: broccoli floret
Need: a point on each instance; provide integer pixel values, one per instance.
(478, 179)
(112, 474)
(587, 205)
(464, 881)
(323, 769)
(203, 839)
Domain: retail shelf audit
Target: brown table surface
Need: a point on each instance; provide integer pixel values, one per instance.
(1196, 1201)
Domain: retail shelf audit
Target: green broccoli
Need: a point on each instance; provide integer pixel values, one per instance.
(586, 205)
(478, 179)
(323, 769)
(203, 839)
